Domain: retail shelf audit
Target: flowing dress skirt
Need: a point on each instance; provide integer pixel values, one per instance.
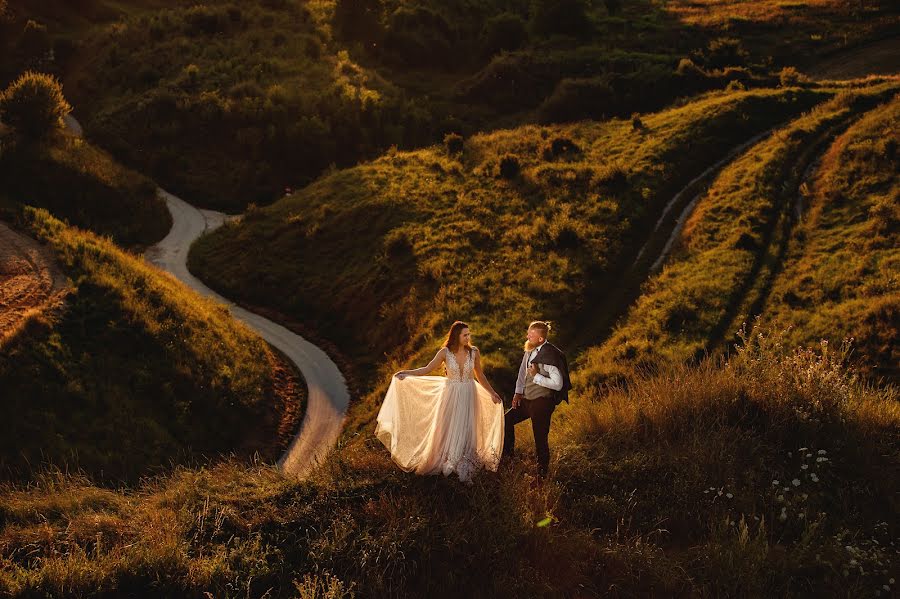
(435, 425)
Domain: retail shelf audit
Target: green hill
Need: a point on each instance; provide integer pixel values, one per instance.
(83, 185)
(839, 278)
(722, 267)
(132, 372)
(426, 236)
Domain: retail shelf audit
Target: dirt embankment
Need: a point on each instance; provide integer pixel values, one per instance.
(30, 281)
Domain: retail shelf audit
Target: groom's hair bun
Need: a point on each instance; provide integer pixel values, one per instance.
(542, 326)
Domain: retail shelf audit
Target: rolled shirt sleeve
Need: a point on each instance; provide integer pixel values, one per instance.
(552, 381)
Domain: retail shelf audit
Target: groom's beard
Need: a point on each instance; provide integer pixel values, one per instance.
(529, 346)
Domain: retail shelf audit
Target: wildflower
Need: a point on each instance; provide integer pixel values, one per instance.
(814, 478)
(886, 587)
(720, 492)
(821, 459)
(809, 455)
(804, 467)
(803, 449)
(780, 498)
(821, 452)
(891, 581)
(729, 495)
(706, 491)
(796, 482)
(775, 482)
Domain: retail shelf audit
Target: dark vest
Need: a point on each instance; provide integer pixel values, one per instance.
(551, 355)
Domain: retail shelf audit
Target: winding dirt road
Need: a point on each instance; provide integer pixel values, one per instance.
(328, 395)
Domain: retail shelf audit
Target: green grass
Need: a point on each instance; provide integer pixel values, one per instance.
(839, 278)
(633, 506)
(83, 185)
(132, 372)
(701, 296)
(425, 237)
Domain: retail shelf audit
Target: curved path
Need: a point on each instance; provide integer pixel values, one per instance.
(327, 390)
(328, 395)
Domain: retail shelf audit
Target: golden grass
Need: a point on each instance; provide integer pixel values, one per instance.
(629, 505)
(133, 372)
(839, 279)
(703, 293)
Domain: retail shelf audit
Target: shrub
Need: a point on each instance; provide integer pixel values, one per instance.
(33, 105)
(35, 41)
(613, 177)
(510, 167)
(419, 36)
(505, 31)
(454, 143)
(735, 85)
(566, 17)
(613, 7)
(790, 76)
(397, 244)
(560, 147)
(636, 123)
(575, 99)
(724, 51)
(358, 19)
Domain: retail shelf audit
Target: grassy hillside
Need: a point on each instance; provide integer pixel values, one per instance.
(83, 185)
(132, 372)
(428, 236)
(762, 478)
(723, 264)
(839, 278)
(229, 103)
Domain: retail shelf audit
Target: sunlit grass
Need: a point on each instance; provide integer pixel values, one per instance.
(701, 296)
(132, 372)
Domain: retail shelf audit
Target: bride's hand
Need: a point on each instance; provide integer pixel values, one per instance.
(497, 399)
(401, 375)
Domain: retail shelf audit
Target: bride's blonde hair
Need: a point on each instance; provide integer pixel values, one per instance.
(541, 325)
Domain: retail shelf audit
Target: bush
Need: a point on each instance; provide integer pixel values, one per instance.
(33, 105)
(613, 7)
(789, 76)
(724, 51)
(358, 20)
(636, 123)
(575, 99)
(454, 143)
(35, 41)
(397, 244)
(505, 31)
(560, 147)
(566, 17)
(420, 36)
(510, 167)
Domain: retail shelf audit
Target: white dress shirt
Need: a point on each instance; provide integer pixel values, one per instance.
(548, 376)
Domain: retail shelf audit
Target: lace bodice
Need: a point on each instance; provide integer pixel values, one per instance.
(453, 372)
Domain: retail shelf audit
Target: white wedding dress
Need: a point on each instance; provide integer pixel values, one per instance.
(440, 425)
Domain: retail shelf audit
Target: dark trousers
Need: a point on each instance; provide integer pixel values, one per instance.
(539, 410)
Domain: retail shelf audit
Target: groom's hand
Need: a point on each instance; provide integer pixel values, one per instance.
(517, 400)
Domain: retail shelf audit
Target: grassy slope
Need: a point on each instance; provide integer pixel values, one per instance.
(840, 275)
(422, 237)
(676, 487)
(132, 372)
(702, 293)
(82, 184)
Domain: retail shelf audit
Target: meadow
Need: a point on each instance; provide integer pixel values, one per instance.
(721, 270)
(760, 478)
(839, 277)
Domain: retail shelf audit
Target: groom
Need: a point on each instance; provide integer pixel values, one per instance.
(543, 382)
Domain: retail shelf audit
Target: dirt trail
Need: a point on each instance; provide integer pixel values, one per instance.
(29, 279)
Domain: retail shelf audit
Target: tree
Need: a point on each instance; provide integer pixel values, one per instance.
(33, 105)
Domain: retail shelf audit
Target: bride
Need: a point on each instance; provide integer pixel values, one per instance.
(439, 425)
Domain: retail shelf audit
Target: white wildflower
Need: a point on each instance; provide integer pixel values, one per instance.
(886, 587)
(821, 452)
(796, 482)
(775, 482)
(803, 449)
(809, 455)
(814, 478)
(804, 467)
(891, 581)
(729, 495)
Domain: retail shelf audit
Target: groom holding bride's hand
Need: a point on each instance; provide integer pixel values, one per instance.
(542, 383)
